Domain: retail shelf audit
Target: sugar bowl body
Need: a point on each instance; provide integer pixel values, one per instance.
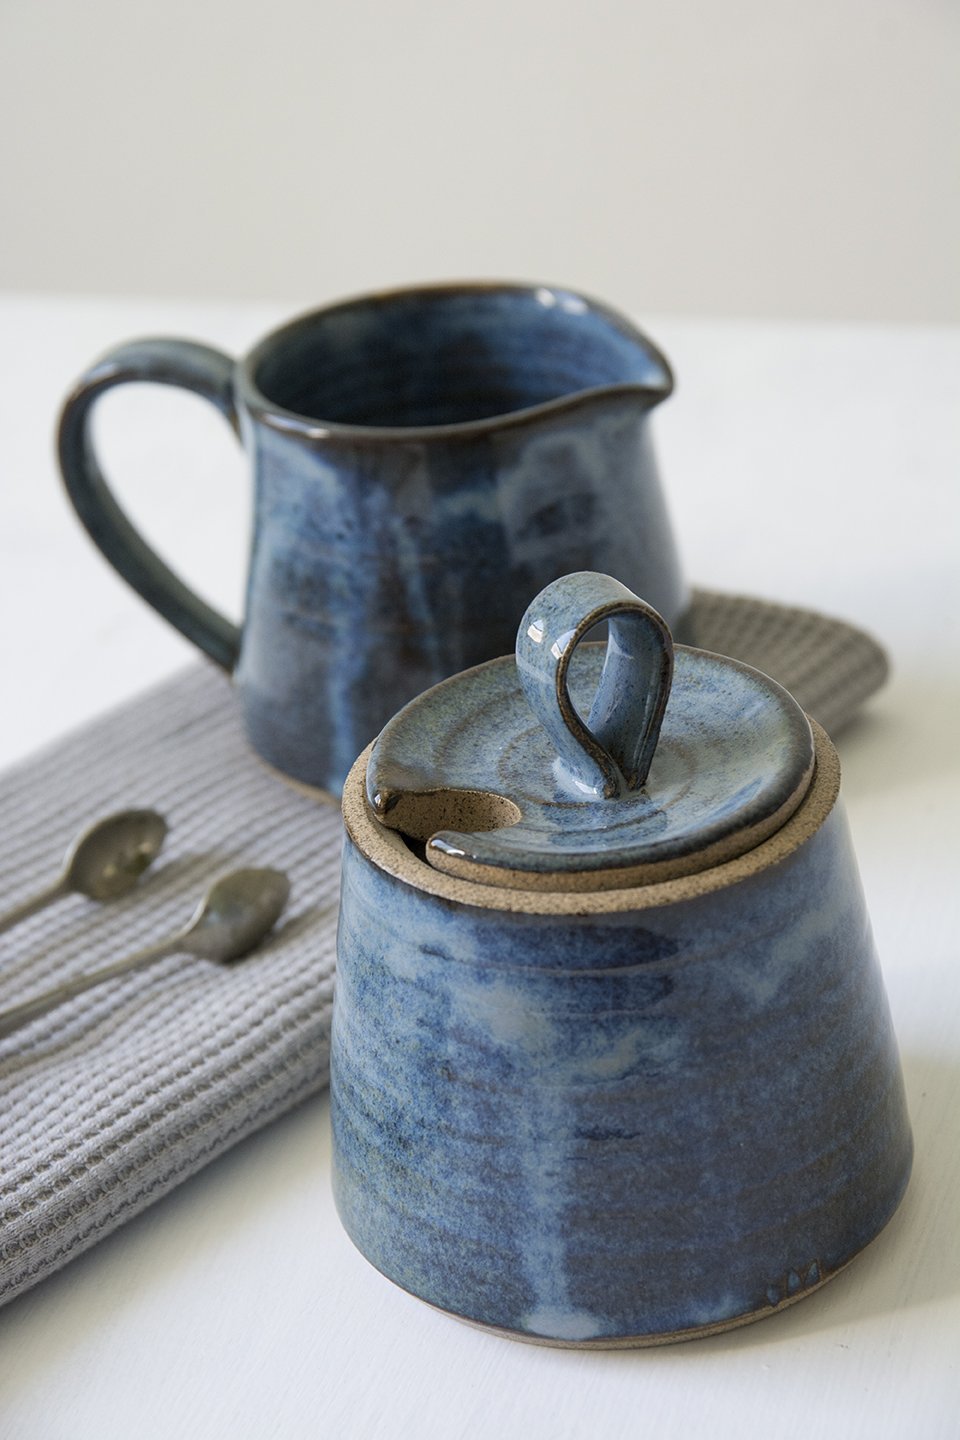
(623, 1113)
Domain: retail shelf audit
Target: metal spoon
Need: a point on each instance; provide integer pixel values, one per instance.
(230, 921)
(103, 863)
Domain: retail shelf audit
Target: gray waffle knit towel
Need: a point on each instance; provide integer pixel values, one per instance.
(112, 1100)
(828, 666)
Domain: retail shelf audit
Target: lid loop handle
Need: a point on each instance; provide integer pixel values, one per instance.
(610, 753)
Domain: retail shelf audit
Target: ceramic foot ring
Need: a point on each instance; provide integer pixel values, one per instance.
(612, 1062)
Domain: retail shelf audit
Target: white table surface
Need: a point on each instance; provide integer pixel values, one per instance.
(813, 464)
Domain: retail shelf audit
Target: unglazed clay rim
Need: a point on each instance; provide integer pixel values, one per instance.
(648, 1340)
(387, 850)
(271, 413)
(653, 1339)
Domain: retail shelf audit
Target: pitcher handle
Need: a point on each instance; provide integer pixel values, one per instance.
(205, 371)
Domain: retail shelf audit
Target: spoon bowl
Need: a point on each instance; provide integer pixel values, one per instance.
(103, 863)
(107, 860)
(235, 914)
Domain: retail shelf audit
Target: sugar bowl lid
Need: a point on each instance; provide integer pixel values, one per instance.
(684, 760)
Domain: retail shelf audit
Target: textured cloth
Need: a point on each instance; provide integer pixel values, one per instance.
(111, 1100)
(115, 1097)
(828, 666)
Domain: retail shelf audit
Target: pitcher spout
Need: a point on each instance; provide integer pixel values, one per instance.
(612, 357)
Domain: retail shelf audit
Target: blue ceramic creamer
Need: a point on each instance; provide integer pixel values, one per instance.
(612, 1062)
(424, 460)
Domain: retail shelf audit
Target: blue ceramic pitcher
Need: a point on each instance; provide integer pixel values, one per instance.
(424, 461)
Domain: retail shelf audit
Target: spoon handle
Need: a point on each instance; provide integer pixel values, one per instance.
(33, 905)
(28, 1010)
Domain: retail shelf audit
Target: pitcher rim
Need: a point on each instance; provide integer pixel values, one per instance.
(279, 417)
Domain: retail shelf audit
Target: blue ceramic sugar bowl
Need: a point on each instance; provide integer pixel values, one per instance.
(612, 1061)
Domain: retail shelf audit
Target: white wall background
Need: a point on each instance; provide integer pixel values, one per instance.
(753, 157)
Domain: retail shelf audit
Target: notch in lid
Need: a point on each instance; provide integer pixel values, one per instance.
(684, 760)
